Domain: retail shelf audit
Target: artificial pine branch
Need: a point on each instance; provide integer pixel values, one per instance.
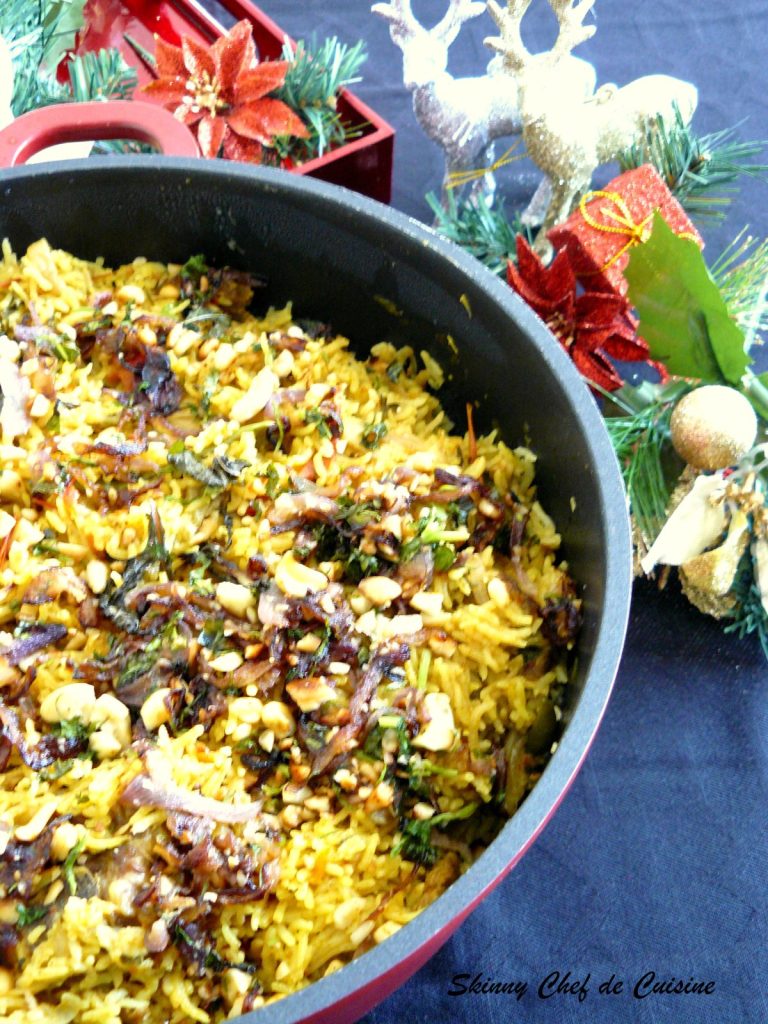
(638, 426)
(741, 274)
(748, 615)
(30, 29)
(101, 76)
(484, 231)
(316, 75)
(700, 171)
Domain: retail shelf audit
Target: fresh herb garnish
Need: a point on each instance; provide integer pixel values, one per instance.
(71, 729)
(209, 390)
(68, 867)
(313, 417)
(273, 481)
(415, 843)
(26, 916)
(221, 473)
(206, 954)
(373, 434)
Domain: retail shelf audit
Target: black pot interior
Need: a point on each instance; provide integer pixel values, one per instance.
(376, 275)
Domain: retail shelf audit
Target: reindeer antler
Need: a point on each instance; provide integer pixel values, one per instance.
(570, 16)
(403, 20)
(510, 43)
(458, 12)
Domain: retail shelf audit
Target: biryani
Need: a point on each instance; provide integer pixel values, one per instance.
(279, 649)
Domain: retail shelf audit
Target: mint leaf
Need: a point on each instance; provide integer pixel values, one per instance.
(683, 316)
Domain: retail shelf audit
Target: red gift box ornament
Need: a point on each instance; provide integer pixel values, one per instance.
(608, 223)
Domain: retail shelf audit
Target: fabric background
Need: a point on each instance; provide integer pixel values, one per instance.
(656, 859)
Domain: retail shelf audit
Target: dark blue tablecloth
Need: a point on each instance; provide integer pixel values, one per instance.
(656, 860)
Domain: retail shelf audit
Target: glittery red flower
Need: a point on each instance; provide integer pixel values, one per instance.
(221, 92)
(590, 326)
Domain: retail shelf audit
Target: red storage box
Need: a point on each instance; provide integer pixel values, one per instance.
(363, 164)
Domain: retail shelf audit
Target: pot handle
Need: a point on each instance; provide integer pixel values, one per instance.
(79, 122)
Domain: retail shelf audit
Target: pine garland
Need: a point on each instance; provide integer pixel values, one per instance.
(748, 615)
(316, 75)
(699, 170)
(37, 34)
(484, 231)
(741, 274)
(639, 433)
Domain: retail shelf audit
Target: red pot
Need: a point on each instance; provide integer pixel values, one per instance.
(374, 274)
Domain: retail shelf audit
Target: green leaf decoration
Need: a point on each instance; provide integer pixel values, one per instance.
(683, 316)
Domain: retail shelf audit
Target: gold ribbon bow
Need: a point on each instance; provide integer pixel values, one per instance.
(623, 222)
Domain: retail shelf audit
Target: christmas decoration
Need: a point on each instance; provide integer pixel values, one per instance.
(700, 171)
(590, 326)
(566, 135)
(599, 236)
(713, 427)
(221, 93)
(465, 116)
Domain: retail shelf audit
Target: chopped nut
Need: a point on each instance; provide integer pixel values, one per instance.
(97, 575)
(235, 598)
(498, 592)
(382, 796)
(246, 709)
(224, 355)
(359, 604)
(65, 837)
(345, 779)
(131, 293)
(380, 590)
(298, 580)
(290, 816)
(155, 711)
(227, 662)
(438, 733)
(157, 938)
(181, 339)
(111, 714)
(283, 363)
(267, 740)
(309, 643)
(73, 700)
(423, 811)
(310, 693)
(41, 407)
(278, 717)
(235, 984)
(428, 602)
(261, 389)
(7, 523)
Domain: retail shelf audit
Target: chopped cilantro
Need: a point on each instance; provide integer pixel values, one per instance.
(68, 867)
(373, 434)
(314, 417)
(415, 843)
(71, 729)
(29, 915)
(273, 481)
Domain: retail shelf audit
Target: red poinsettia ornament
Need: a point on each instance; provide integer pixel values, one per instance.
(222, 93)
(590, 326)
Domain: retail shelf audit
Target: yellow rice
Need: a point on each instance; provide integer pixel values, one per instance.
(342, 885)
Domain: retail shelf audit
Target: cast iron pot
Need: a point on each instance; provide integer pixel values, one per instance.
(375, 274)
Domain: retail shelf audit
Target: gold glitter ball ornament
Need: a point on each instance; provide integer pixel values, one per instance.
(713, 427)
